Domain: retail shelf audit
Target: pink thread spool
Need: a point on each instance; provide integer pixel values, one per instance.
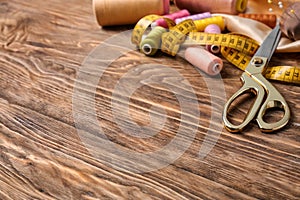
(213, 6)
(173, 16)
(213, 28)
(205, 61)
(194, 17)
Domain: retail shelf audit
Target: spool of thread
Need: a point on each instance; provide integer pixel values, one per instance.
(121, 12)
(213, 28)
(205, 61)
(213, 6)
(201, 24)
(173, 16)
(152, 41)
(194, 17)
(268, 19)
(290, 21)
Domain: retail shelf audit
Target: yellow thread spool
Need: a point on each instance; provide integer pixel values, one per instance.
(121, 12)
(202, 23)
(241, 5)
(151, 43)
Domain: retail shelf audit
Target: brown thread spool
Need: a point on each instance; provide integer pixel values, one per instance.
(290, 21)
(213, 6)
(122, 12)
(268, 19)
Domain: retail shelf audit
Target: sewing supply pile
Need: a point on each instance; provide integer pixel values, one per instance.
(205, 32)
(202, 35)
(202, 38)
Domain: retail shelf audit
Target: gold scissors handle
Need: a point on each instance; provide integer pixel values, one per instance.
(258, 85)
(249, 85)
(267, 96)
(274, 100)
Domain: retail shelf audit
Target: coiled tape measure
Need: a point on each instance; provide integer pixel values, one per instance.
(236, 49)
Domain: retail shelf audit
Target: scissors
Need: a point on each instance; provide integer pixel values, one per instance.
(266, 94)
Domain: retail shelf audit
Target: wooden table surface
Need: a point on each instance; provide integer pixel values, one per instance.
(44, 153)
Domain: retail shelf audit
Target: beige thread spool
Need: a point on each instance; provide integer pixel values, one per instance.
(122, 12)
(203, 60)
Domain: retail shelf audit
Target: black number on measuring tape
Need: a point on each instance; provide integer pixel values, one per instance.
(287, 73)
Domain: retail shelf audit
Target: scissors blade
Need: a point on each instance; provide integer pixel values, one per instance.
(270, 44)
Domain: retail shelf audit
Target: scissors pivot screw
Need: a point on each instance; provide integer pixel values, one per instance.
(257, 61)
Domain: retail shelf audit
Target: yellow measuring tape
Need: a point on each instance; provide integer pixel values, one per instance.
(289, 74)
(237, 49)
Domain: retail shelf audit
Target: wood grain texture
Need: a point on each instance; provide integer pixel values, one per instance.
(42, 156)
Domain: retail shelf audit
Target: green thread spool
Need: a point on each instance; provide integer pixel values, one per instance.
(151, 43)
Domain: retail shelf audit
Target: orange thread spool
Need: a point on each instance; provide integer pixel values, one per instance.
(268, 19)
(122, 12)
